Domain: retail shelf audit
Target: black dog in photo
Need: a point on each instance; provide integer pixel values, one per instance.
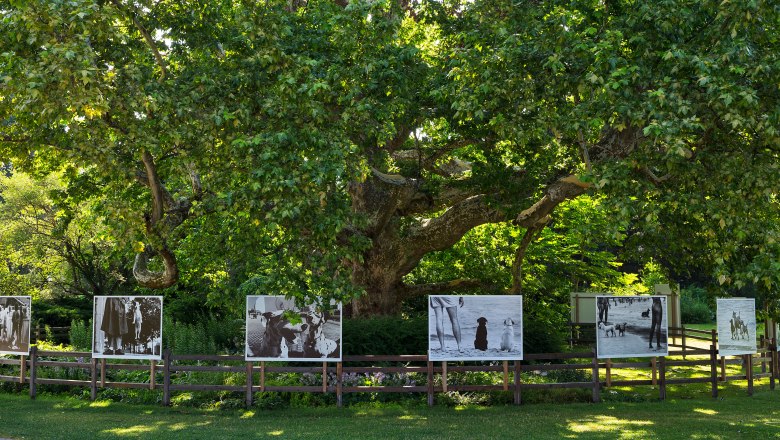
(480, 342)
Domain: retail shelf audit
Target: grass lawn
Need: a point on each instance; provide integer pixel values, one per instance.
(732, 415)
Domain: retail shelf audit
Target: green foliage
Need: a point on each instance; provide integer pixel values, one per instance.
(540, 337)
(387, 335)
(668, 110)
(207, 335)
(80, 334)
(695, 306)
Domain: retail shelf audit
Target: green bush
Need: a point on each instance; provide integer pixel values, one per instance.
(386, 335)
(695, 307)
(208, 335)
(80, 334)
(539, 337)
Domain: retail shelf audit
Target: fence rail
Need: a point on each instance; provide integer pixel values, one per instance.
(91, 373)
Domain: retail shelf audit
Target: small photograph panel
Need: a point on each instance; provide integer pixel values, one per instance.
(127, 327)
(15, 315)
(475, 327)
(631, 326)
(736, 318)
(279, 330)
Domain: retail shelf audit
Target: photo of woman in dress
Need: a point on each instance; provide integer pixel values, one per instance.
(127, 327)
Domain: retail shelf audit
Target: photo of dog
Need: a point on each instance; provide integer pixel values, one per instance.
(494, 323)
(607, 329)
(629, 332)
(481, 342)
(508, 336)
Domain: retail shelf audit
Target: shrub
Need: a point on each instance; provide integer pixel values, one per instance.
(208, 335)
(80, 334)
(386, 335)
(695, 307)
(539, 337)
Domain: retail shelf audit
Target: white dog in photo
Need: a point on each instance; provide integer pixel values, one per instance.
(508, 336)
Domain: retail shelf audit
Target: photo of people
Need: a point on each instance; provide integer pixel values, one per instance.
(631, 326)
(127, 327)
(277, 329)
(15, 324)
(475, 327)
(736, 326)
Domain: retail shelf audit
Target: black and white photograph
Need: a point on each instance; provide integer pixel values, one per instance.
(127, 327)
(15, 325)
(277, 329)
(631, 326)
(736, 326)
(475, 327)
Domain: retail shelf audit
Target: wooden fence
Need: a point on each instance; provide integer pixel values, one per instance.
(91, 373)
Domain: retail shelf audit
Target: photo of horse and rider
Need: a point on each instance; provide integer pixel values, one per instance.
(15, 324)
(736, 326)
(277, 329)
(631, 326)
(127, 327)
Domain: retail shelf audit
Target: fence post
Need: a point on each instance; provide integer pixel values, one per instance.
(762, 344)
(748, 361)
(662, 380)
(93, 379)
(249, 373)
(324, 377)
(518, 381)
(103, 372)
(775, 360)
(152, 374)
(339, 390)
(33, 370)
(506, 375)
(22, 369)
(714, 370)
(595, 372)
(608, 373)
(723, 368)
(683, 342)
(772, 365)
(262, 376)
(430, 383)
(654, 369)
(167, 377)
(444, 376)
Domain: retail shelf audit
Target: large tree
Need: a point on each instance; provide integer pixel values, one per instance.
(323, 149)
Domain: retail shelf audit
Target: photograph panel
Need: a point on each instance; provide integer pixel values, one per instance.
(736, 320)
(127, 327)
(631, 326)
(15, 315)
(475, 327)
(279, 330)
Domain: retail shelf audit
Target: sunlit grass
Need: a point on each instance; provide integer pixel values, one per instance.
(622, 428)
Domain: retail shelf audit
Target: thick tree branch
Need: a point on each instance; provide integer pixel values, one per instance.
(444, 231)
(556, 193)
(170, 274)
(156, 280)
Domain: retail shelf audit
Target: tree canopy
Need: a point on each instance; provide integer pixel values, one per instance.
(327, 149)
